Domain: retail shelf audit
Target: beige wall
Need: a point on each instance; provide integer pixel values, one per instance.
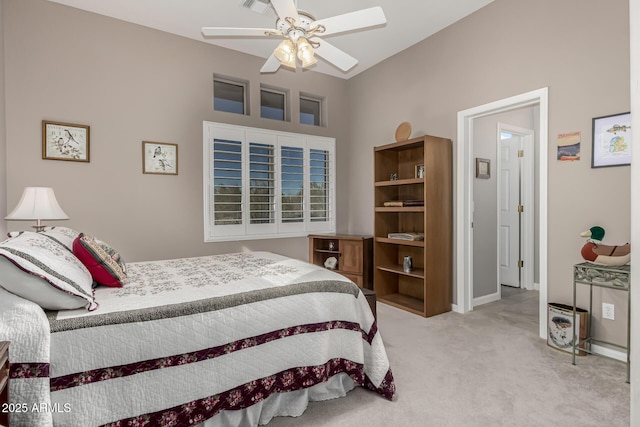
(507, 48)
(131, 83)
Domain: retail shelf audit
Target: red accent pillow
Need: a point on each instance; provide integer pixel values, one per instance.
(101, 261)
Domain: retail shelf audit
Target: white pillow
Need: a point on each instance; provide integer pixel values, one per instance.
(63, 235)
(38, 268)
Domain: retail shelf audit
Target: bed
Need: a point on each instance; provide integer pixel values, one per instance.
(232, 339)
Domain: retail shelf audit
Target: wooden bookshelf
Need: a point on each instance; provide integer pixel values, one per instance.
(426, 290)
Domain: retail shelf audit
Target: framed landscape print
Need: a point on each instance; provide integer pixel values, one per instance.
(611, 141)
(159, 158)
(65, 141)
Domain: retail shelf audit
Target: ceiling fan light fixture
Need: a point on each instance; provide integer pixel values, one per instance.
(302, 32)
(286, 53)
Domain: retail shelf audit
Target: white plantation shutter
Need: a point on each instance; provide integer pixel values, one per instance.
(260, 166)
(321, 185)
(227, 182)
(266, 184)
(292, 179)
(262, 181)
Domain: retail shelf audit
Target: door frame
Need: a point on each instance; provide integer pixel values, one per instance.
(464, 196)
(527, 200)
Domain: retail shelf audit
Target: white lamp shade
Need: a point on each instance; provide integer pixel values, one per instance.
(37, 203)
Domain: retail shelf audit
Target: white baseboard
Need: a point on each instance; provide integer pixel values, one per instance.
(454, 308)
(536, 286)
(605, 351)
(486, 299)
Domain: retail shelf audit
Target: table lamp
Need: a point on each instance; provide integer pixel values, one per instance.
(37, 203)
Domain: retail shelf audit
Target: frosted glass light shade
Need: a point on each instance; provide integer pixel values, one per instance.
(286, 53)
(37, 203)
(306, 53)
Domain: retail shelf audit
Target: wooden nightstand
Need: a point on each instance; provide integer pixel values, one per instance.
(354, 255)
(4, 381)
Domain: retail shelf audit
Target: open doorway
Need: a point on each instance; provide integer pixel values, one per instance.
(503, 203)
(466, 201)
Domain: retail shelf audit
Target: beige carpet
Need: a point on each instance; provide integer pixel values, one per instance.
(485, 368)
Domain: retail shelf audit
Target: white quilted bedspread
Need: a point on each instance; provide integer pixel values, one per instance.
(186, 340)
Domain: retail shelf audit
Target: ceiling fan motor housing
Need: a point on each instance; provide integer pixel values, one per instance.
(296, 29)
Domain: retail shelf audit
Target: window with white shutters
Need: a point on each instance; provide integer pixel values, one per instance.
(266, 184)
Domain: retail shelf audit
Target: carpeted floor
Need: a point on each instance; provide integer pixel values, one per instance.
(485, 368)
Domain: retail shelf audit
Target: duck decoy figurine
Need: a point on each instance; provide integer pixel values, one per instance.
(597, 253)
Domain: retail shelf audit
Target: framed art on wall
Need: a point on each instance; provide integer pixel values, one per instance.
(159, 158)
(611, 141)
(483, 168)
(65, 141)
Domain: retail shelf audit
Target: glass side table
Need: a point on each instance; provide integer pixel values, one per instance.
(603, 276)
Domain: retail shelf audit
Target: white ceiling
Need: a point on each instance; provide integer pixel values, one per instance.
(408, 22)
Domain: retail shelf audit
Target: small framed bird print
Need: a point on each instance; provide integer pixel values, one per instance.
(159, 158)
(65, 141)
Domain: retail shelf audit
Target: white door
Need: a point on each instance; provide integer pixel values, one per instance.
(509, 230)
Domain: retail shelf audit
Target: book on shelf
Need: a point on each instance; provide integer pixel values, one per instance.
(403, 203)
(407, 236)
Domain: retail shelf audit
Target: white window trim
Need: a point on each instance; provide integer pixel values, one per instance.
(247, 231)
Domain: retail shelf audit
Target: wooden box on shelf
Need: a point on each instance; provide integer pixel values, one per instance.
(426, 289)
(354, 255)
(4, 382)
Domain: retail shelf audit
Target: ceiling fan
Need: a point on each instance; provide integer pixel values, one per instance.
(302, 35)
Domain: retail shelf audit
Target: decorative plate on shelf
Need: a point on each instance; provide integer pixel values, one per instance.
(403, 131)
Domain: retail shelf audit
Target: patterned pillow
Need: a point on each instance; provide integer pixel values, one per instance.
(104, 263)
(62, 235)
(42, 270)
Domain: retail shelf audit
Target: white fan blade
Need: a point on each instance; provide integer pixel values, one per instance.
(271, 66)
(285, 9)
(352, 21)
(239, 32)
(334, 55)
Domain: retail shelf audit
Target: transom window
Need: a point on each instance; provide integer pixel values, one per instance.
(273, 104)
(229, 95)
(310, 110)
(266, 184)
